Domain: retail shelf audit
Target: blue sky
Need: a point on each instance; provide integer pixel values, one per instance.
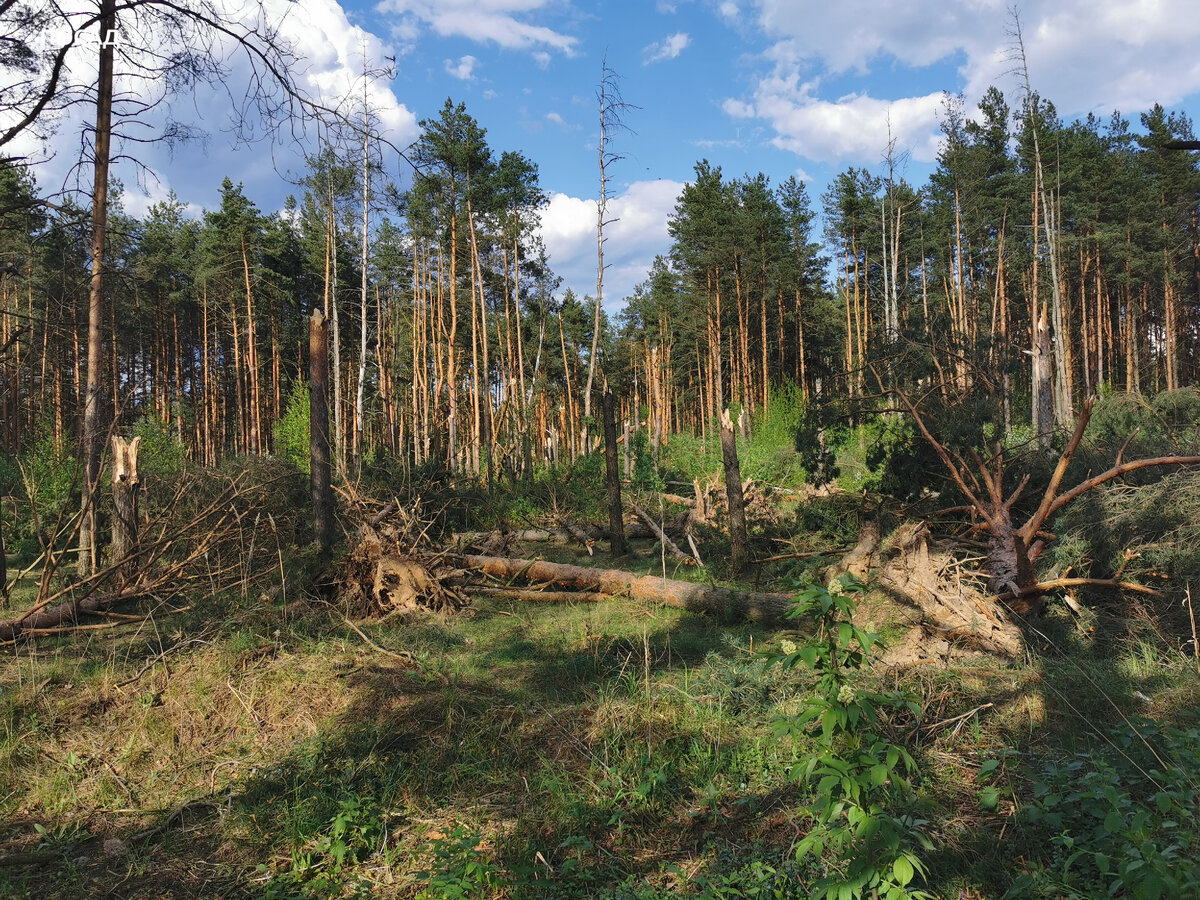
(779, 86)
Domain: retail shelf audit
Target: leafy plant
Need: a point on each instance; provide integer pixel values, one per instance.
(1119, 821)
(460, 870)
(354, 833)
(859, 777)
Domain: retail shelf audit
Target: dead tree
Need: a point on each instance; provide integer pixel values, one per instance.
(754, 606)
(125, 484)
(669, 545)
(738, 544)
(1014, 548)
(616, 516)
(318, 439)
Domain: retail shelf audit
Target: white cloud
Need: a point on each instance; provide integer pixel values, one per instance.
(853, 127)
(668, 48)
(631, 243)
(555, 118)
(1084, 55)
(464, 69)
(497, 21)
(729, 10)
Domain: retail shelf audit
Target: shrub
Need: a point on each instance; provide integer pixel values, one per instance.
(859, 777)
(1119, 820)
(161, 454)
(291, 432)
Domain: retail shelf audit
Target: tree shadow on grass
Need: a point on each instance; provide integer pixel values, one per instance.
(1085, 703)
(539, 737)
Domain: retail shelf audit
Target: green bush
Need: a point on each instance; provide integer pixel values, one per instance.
(860, 779)
(160, 454)
(291, 432)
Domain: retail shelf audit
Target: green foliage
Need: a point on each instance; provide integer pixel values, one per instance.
(460, 869)
(1161, 422)
(45, 477)
(771, 454)
(726, 879)
(688, 457)
(161, 454)
(354, 833)
(897, 459)
(1119, 821)
(646, 476)
(291, 432)
(815, 438)
(859, 776)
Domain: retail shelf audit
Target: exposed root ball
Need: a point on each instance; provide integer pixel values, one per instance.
(382, 575)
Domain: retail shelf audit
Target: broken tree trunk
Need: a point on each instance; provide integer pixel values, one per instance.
(318, 441)
(125, 482)
(616, 516)
(738, 544)
(750, 605)
(699, 505)
(580, 535)
(670, 546)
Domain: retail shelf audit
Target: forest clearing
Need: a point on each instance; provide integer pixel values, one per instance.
(348, 551)
(438, 714)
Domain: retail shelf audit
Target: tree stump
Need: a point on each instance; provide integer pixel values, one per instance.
(125, 483)
(738, 543)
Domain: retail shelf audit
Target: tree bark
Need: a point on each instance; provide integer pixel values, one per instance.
(616, 515)
(738, 544)
(753, 606)
(125, 484)
(318, 442)
(91, 409)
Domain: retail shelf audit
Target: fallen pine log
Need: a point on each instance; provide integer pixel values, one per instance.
(753, 606)
(523, 535)
(558, 536)
(682, 501)
(532, 595)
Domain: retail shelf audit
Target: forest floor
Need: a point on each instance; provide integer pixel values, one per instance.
(262, 747)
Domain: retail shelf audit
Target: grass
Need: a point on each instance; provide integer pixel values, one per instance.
(598, 750)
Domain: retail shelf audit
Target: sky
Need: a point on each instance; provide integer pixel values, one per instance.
(782, 87)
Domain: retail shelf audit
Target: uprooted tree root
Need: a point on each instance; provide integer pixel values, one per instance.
(955, 619)
(387, 573)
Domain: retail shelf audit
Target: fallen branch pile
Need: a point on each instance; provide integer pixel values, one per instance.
(206, 537)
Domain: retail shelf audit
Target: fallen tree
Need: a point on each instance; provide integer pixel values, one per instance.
(752, 606)
(1014, 548)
